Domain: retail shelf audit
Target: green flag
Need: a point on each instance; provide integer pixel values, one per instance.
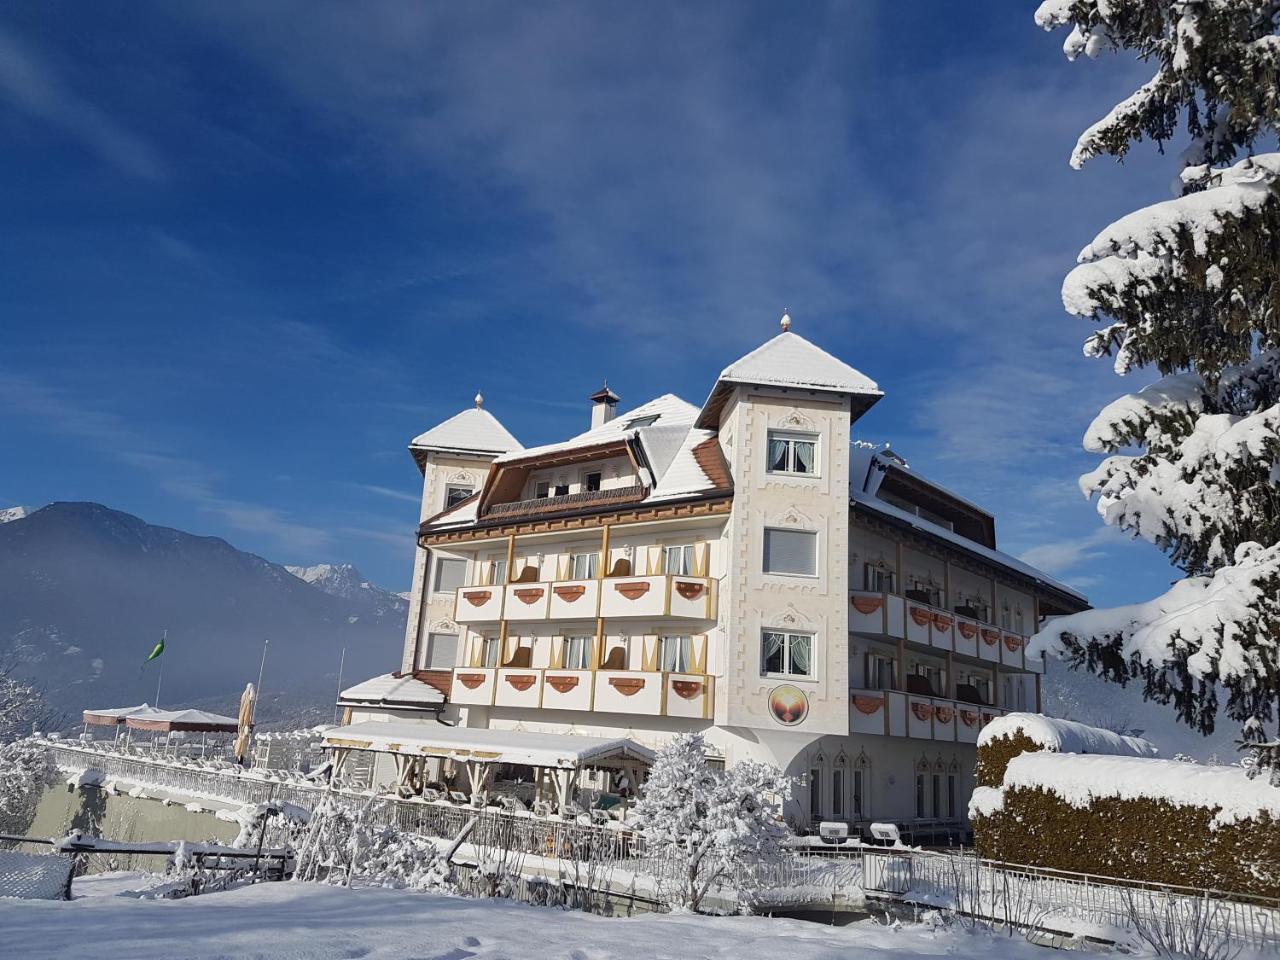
(155, 651)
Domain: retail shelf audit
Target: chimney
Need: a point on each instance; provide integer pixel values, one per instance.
(604, 406)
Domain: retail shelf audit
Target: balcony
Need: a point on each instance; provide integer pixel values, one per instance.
(894, 713)
(894, 616)
(651, 597)
(585, 499)
(647, 693)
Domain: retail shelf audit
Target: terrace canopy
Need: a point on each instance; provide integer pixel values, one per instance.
(116, 716)
(184, 721)
(559, 757)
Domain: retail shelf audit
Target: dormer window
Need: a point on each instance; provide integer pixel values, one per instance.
(795, 453)
(641, 422)
(591, 481)
(542, 489)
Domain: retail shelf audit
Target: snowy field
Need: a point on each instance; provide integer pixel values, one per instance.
(284, 921)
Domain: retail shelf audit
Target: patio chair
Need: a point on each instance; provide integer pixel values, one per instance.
(513, 804)
(457, 796)
(431, 795)
(543, 808)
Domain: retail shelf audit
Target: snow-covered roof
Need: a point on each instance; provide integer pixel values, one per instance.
(669, 410)
(864, 482)
(391, 690)
(487, 745)
(684, 476)
(474, 430)
(1065, 736)
(789, 360)
(1077, 779)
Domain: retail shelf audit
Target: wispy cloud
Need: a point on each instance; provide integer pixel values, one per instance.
(27, 82)
(1067, 555)
(179, 476)
(389, 493)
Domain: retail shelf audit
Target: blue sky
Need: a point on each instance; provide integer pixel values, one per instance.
(251, 249)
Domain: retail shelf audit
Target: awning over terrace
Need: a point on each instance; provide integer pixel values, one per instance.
(558, 759)
(559, 750)
(186, 721)
(115, 716)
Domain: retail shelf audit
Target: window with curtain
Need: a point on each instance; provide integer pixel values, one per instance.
(492, 650)
(582, 566)
(441, 651)
(577, 653)
(498, 572)
(450, 574)
(542, 489)
(787, 654)
(881, 672)
(793, 552)
(678, 560)
(673, 654)
(792, 453)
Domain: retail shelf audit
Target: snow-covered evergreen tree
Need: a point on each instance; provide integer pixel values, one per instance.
(1191, 288)
(710, 824)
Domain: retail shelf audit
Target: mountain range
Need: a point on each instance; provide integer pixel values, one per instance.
(86, 591)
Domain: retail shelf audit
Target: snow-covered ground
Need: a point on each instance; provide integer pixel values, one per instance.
(292, 921)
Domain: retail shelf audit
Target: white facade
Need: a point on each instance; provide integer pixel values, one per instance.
(740, 569)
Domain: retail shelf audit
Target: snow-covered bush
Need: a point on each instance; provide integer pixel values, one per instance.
(1191, 288)
(343, 847)
(712, 826)
(26, 770)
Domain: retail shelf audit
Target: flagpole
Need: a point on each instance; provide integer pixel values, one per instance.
(163, 637)
(262, 666)
(342, 662)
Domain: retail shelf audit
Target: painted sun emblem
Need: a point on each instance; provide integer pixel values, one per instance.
(789, 704)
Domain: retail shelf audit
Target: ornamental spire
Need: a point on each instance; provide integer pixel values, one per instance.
(479, 399)
(786, 320)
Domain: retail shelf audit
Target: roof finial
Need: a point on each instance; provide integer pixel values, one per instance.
(786, 320)
(479, 399)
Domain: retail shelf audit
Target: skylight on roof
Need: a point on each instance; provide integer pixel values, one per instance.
(641, 422)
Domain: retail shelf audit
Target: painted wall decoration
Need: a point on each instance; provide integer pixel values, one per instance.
(789, 704)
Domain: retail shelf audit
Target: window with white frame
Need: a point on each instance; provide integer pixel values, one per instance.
(542, 489)
(492, 651)
(450, 575)
(1006, 617)
(878, 578)
(440, 651)
(591, 481)
(455, 493)
(577, 653)
(678, 559)
(1019, 620)
(933, 674)
(674, 654)
(787, 654)
(790, 552)
(583, 566)
(497, 572)
(795, 453)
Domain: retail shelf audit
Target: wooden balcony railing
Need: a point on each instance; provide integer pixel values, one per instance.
(569, 501)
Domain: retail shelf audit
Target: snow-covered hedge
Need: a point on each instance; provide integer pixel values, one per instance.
(1163, 821)
(1016, 733)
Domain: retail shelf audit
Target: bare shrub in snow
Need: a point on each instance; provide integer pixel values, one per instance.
(1190, 288)
(1185, 928)
(345, 847)
(26, 770)
(23, 708)
(712, 826)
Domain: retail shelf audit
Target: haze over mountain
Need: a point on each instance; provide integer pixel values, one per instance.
(86, 591)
